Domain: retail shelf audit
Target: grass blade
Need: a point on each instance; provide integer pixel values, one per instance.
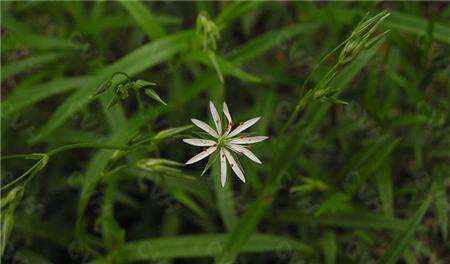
(400, 242)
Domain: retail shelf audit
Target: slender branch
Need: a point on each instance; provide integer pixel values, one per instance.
(86, 145)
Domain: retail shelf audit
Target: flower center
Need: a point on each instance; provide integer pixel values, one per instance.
(221, 142)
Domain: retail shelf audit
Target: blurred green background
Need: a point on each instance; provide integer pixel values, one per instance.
(359, 173)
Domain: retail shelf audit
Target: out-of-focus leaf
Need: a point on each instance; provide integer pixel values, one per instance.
(22, 98)
(440, 200)
(385, 189)
(145, 19)
(28, 256)
(10, 69)
(401, 240)
(227, 67)
(171, 132)
(246, 225)
(137, 61)
(201, 246)
(330, 247)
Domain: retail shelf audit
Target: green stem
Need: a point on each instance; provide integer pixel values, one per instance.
(30, 170)
(86, 145)
(303, 100)
(55, 151)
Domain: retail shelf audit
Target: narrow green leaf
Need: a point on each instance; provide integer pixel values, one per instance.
(440, 200)
(208, 245)
(22, 98)
(226, 67)
(385, 189)
(401, 240)
(154, 53)
(29, 63)
(248, 222)
(171, 132)
(152, 94)
(145, 19)
(330, 247)
(417, 26)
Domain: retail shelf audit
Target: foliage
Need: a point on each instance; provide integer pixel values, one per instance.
(97, 97)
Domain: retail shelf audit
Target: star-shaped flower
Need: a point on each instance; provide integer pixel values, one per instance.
(225, 143)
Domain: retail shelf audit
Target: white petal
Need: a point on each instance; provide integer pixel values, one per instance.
(200, 142)
(202, 155)
(216, 117)
(244, 126)
(227, 113)
(223, 168)
(234, 165)
(248, 140)
(205, 127)
(230, 121)
(245, 151)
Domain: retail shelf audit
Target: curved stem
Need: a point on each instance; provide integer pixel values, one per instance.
(302, 102)
(86, 145)
(55, 151)
(122, 73)
(30, 170)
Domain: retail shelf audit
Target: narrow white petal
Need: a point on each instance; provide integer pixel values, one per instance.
(216, 117)
(244, 126)
(227, 113)
(248, 140)
(202, 155)
(228, 116)
(234, 165)
(245, 151)
(223, 168)
(199, 142)
(205, 127)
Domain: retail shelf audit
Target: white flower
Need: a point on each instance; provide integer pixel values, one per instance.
(224, 142)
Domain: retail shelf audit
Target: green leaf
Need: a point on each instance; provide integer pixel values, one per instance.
(417, 26)
(28, 256)
(261, 44)
(334, 203)
(212, 158)
(9, 205)
(113, 235)
(26, 96)
(226, 67)
(385, 189)
(401, 240)
(154, 53)
(330, 247)
(21, 37)
(246, 225)
(440, 200)
(29, 63)
(144, 83)
(171, 132)
(235, 10)
(145, 19)
(157, 164)
(98, 164)
(207, 245)
(152, 94)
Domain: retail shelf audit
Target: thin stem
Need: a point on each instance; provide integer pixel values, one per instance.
(302, 102)
(16, 156)
(30, 170)
(55, 151)
(86, 145)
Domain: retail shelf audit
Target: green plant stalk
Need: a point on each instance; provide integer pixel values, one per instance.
(35, 168)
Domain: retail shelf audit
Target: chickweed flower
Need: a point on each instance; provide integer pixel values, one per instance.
(224, 142)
